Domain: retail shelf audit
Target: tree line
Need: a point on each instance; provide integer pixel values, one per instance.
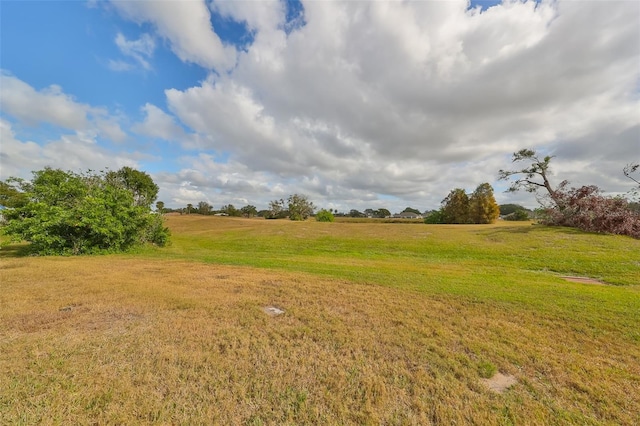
(62, 212)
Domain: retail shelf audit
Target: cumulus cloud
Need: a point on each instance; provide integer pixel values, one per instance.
(411, 99)
(49, 105)
(52, 106)
(188, 28)
(158, 124)
(382, 104)
(76, 151)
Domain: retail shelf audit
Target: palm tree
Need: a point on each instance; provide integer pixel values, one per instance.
(189, 207)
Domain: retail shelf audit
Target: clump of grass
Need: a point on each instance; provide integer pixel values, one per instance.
(486, 370)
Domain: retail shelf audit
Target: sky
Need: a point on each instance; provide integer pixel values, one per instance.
(355, 104)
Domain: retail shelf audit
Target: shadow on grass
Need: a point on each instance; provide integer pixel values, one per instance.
(14, 250)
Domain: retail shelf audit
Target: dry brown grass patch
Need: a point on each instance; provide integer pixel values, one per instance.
(179, 342)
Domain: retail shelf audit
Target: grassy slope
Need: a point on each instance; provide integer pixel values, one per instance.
(384, 323)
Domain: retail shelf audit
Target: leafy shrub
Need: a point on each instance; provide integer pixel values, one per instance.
(70, 213)
(518, 215)
(434, 217)
(324, 216)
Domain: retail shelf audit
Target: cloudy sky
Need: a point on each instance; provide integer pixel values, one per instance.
(356, 104)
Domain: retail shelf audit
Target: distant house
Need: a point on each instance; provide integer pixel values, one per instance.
(407, 215)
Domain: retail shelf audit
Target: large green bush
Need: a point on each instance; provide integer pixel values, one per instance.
(325, 216)
(64, 212)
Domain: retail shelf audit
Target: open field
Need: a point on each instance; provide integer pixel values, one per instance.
(383, 324)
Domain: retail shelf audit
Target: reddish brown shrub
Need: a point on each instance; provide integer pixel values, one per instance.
(587, 209)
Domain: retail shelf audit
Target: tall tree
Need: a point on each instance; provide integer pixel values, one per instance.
(532, 177)
(204, 207)
(455, 207)
(300, 208)
(189, 208)
(382, 213)
(482, 205)
(249, 211)
(412, 210)
(160, 207)
(276, 209)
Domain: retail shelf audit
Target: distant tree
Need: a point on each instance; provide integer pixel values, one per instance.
(160, 207)
(533, 177)
(204, 208)
(412, 210)
(506, 209)
(482, 205)
(71, 213)
(230, 210)
(189, 208)
(355, 213)
(434, 217)
(300, 208)
(382, 213)
(140, 184)
(455, 207)
(277, 209)
(249, 211)
(263, 213)
(324, 216)
(518, 215)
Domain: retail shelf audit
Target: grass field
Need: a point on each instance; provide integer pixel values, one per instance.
(383, 324)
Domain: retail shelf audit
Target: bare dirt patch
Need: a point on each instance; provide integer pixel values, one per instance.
(499, 383)
(582, 280)
(272, 311)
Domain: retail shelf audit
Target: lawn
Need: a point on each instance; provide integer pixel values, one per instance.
(383, 323)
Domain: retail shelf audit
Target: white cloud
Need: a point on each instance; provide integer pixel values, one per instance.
(140, 50)
(78, 152)
(187, 26)
(51, 105)
(158, 124)
(119, 65)
(412, 99)
(380, 104)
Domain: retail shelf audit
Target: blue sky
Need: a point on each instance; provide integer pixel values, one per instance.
(356, 104)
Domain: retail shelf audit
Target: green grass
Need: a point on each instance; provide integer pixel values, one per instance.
(384, 324)
(380, 252)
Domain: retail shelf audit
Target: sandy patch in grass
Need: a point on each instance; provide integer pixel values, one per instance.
(582, 280)
(272, 311)
(499, 383)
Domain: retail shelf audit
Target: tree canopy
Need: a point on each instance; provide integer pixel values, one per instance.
(300, 208)
(532, 177)
(455, 207)
(482, 205)
(63, 212)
